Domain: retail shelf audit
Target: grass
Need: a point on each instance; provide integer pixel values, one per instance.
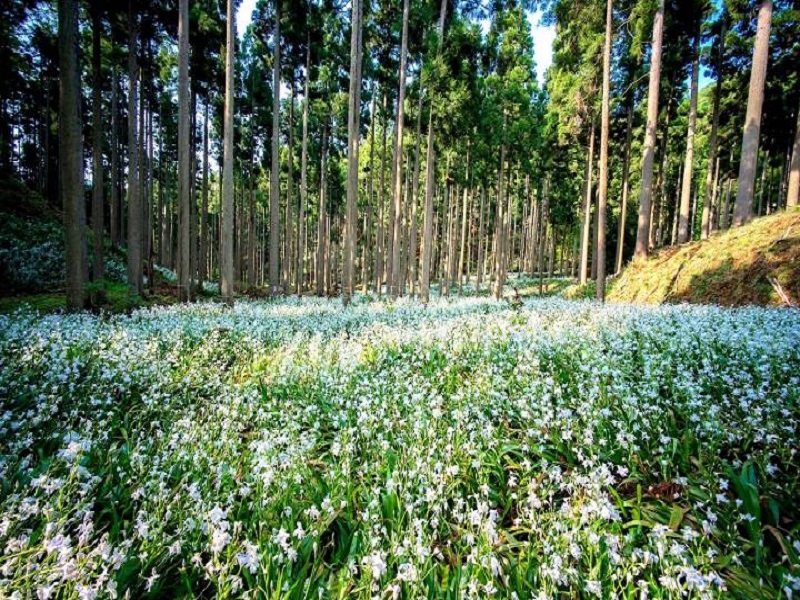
(732, 268)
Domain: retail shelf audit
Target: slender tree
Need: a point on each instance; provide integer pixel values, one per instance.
(646, 194)
(397, 170)
(602, 196)
(755, 99)
(706, 223)
(184, 158)
(794, 169)
(226, 242)
(354, 109)
(134, 191)
(70, 150)
(275, 175)
(98, 200)
(684, 229)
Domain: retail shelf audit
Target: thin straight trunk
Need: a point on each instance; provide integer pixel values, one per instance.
(623, 214)
(98, 216)
(481, 245)
(684, 226)
(70, 150)
(427, 250)
(184, 159)
(397, 184)
(160, 222)
(288, 227)
(275, 177)
(203, 262)
(464, 221)
(380, 236)
(226, 240)
(587, 213)
(602, 200)
(726, 208)
(114, 229)
(693, 218)
(645, 198)
(322, 216)
(301, 218)
(714, 218)
(762, 184)
(543, 218)
(502, 219)
(706, 226)
(793, 184)
(369, 246)
(752, 128)
(134, 194)
(676, 212)
(412, 243)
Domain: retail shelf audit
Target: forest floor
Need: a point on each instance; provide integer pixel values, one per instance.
(755, 264)
(291, 449)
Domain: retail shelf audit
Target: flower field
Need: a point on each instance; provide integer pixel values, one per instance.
(293, 449)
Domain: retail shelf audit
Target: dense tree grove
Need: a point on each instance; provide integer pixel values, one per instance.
(387, 146)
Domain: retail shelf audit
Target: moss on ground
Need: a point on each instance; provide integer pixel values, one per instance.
(735, 267)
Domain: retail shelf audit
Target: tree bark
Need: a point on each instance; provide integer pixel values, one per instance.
(623, 213)
(203, 261)
(354, 110)
(794, 169)
(184, 158)
(587, 213)
(646, 195)
(427, 250)
(706, 223)
(275, 181)
(70, 150)
(755, 100)
(412, 236)
(98, 216)
(301, 218)
(226, 241)
(397, 183)
(684, 228)
(134, 194)
(602, 199)
(114, 218)
(322, 215)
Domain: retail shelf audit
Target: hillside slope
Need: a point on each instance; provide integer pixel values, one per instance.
(733, 268)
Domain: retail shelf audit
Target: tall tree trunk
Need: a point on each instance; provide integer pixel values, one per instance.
(322, 216)
(706, 224)
(602, 199)
(502, 219)
(623, 213)
(134, 193)
(98, 216)
(354, 110)
(412, 235)
(203, 261)
(114, 229)
(288, 228)
(70, 150)
(301, 218)
(184, 158)
(275, 176)
(793, 185)
(481, 245)
(427, 250)
(380, 234)
(646, 195)
(755, 100)
(226, 241)
(397, 183)
(684, 228)
(587, 213)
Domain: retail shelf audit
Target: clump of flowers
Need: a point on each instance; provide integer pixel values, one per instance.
(297, 449)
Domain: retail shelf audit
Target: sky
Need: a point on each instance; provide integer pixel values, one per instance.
(543, 36)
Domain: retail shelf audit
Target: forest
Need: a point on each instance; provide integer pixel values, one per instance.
(391, 299)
